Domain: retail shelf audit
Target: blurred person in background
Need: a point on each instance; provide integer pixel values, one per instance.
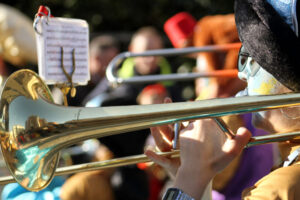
(153, 94)
(217, 30)
(146, 38)
(157, 176)
(184, 31)
(103, 49)
(90, 185)
(130, 182)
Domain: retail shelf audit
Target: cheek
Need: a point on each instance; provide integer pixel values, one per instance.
(261, 85)
(262, 120)
(257, 120)
(273, 121)
(263, 114)
(259, 117)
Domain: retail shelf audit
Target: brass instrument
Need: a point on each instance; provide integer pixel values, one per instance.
(115, 80)
(34, 129)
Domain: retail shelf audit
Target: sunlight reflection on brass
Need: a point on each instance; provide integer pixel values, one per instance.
(33, 129)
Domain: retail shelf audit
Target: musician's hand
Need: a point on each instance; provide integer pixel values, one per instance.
(169, 164)
(204, 151)
(163, 136)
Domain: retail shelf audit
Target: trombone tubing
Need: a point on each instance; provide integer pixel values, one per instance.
(117, 162)
(89, 123)
(28, 111)
(229, 73)
(166, 52)
(131, 160)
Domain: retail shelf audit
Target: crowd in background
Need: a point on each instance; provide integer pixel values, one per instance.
(149, 181)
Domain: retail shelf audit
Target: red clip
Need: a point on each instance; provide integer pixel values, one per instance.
(44, 11)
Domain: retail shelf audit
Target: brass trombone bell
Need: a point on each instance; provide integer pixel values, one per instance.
(34, 129)
(115, 80)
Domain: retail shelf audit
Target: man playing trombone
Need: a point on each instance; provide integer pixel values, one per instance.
(268, 61)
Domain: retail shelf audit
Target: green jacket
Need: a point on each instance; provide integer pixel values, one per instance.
(127, 69)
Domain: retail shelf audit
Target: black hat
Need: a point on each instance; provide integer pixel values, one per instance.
(268, 30)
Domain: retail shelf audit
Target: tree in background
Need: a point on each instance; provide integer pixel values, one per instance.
(124, 15)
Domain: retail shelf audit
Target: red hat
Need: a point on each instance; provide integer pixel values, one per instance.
(153, 89)
(179, 28)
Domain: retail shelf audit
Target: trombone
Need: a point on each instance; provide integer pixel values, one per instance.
(33, 129)
(115, 80)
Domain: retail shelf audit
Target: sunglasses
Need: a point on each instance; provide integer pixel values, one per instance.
(243, 58)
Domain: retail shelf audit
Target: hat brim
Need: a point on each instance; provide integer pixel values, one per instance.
(269, 41)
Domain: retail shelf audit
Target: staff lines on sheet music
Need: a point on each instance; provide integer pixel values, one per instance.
(67, 31)
(67, 56)
(67, 59)
(67, 38)
(53, 66)
(67, 45)
(67, 25)
(58, 52)
(60, 75)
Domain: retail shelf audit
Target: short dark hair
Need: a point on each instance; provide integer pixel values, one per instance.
(103, 42)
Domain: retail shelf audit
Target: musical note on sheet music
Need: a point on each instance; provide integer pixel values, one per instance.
(69, 34)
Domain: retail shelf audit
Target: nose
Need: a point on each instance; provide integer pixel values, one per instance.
(242, 75)
(242, 93)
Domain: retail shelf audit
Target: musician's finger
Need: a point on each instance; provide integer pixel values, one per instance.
(162, 142)
(167, 131)
(169, 164)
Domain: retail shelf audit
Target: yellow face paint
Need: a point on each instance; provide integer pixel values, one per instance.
(266, 87)
(260, 82)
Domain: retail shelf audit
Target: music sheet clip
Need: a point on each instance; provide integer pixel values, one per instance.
(67, 87)
(43, 11)
(53, 34)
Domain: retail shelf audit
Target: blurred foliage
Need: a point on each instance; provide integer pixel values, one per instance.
(124, 15)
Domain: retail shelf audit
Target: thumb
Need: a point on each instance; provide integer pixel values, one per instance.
(235, 145)
(243, 136)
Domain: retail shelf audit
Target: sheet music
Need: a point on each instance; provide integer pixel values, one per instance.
(69, 34)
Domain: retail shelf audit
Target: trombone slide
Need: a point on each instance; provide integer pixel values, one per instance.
(33, 130)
